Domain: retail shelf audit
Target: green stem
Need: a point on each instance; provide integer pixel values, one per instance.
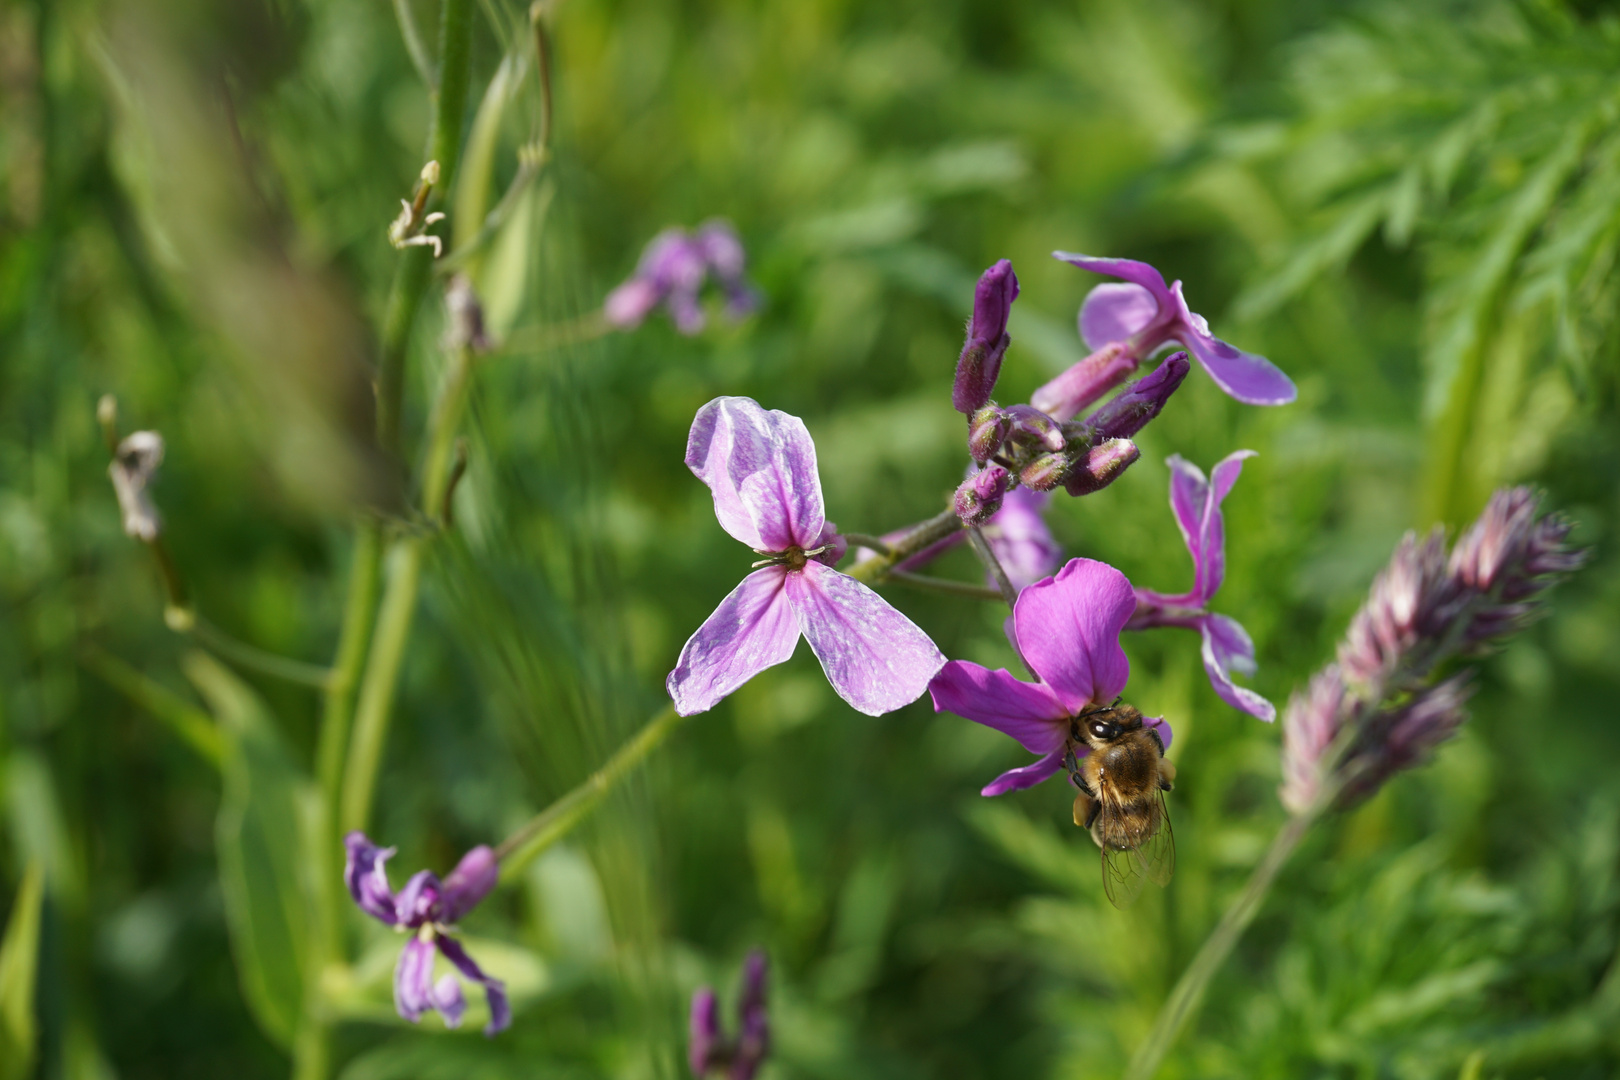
(556, 820)
(922, 535)
(195, 727)
(944, 585)
(981, 548)
(361, 605)
(248, 656)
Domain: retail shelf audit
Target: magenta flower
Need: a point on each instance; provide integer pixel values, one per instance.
(672, 272)
(1067, 629)
(1227, 647)
(761, 467)
(1020, 540)
(426, 907)
(709, 1052)
(1141, 312)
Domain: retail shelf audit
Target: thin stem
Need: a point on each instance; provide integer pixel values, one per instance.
(413, 42)
(365, 572)
(1189, 989)
(255, 659)
(944, 585)
(875, 543)
(194, 726)
(921, 536)
(981, 548)
(556, 820)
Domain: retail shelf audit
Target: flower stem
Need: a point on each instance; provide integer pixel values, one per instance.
(358, 612)
(555, 821)
(540, 339)
(981, 548)
(1189, 989)
(923, 534)
(944, 585)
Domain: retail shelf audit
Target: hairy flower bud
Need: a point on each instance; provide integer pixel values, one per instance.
(1139, 402)
(1031, 426)
(1044, 473)
(987, 430)
(980, 363)
(1087, 381)
(980, 495)
(1100, 466)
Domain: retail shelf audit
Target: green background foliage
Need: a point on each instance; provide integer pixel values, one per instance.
(1414, 209)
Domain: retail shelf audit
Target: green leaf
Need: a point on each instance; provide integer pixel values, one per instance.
(19, 959)
(264, 870)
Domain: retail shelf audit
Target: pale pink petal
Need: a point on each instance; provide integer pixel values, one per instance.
(1116, 311)
(1139, 273)
(1029, 712)
(754, 628)
(875, 657)
(1249, 378)
(761, 466)
(1028, 776)
(1227, 648)
(1068, 631)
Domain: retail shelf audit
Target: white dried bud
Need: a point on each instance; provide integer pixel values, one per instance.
(131, 470)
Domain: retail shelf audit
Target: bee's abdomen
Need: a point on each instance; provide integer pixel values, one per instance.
(1127, 826)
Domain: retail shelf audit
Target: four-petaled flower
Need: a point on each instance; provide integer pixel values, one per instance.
(761, 467)
(1146, 315)
(1067, 629)
(672, 271)
(425, 907)
(709, 1052)
(1196, 502)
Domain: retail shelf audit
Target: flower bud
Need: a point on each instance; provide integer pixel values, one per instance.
(1139, 402)
(987, 430)
(1086, 382)
(1031, 425)
(980, 363)
(979, 497)
(1044, 473)
(1100, 466)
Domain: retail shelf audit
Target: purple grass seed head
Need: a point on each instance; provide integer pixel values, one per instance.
(979, 496)
(980, 363)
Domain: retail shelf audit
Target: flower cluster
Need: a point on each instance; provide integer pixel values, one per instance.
(1378, 710)
(672, 272)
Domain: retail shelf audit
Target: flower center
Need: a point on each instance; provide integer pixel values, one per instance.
(794, 558)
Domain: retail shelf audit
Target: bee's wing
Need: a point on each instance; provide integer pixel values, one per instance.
(1125, 872)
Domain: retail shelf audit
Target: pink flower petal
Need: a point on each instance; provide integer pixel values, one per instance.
(1116, 311)
(1227, 648)
(1139, 273)
(1018, 535)
(761, 466)
(1029, 712)
(875, 657)
(1249, 378)
(1028, 776)
(1068, 630)
(1196, 504)
(1162, 726)
(754, 628)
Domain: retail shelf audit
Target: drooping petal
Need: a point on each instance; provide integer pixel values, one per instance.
(1116, 311)
(500, 1010)
(413, 979)
(1020, 539)
(1249, 378)
(1028, 776)
(755, 627)
(418, 901)
(1227, 647)
(761, 466)
(1068, 630)
(1189, 495)
(1029, 712)
(1139, 273)
(472, 879)
(1196, 503)
(448, 999)
(875, 657)
(364, 874)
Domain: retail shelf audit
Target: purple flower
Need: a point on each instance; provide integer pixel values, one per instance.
(1067, 629)
(425, 907)
(980, 363)
(1020, 540)
(761, 467)
(709, 1052)
(1141, 312)
(1227, 647)
(672, 271)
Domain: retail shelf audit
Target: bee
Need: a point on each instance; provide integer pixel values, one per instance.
(1122, 780)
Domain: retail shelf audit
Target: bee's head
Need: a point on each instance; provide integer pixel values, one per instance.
(1102, 726)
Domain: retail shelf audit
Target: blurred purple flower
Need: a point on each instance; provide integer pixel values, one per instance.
(1022, 543)
(980, 363)
(761, 467)
(672, 272)
(1145, 315)
(426, 907)
(1067, 629)
(1196, 502)
(709, 1052)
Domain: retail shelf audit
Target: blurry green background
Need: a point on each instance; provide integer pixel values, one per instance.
(1413, 209)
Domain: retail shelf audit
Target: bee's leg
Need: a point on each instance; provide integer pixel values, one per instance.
(1086, 810)
(1167, 775)
(1153, 733)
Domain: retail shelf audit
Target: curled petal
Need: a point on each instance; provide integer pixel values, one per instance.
(755, 627)
(364, 874)
(761, 466)
(472, 879)
(1116, 311)
(1028, 776)
(1249, 378)
(1068, 630)
(448, 999)
(413, 979)
(875, 657)
(1228, 648)
(1196, 503)
(500, 1010)
(418, 901)
(1029, 712)
(1139, 273)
